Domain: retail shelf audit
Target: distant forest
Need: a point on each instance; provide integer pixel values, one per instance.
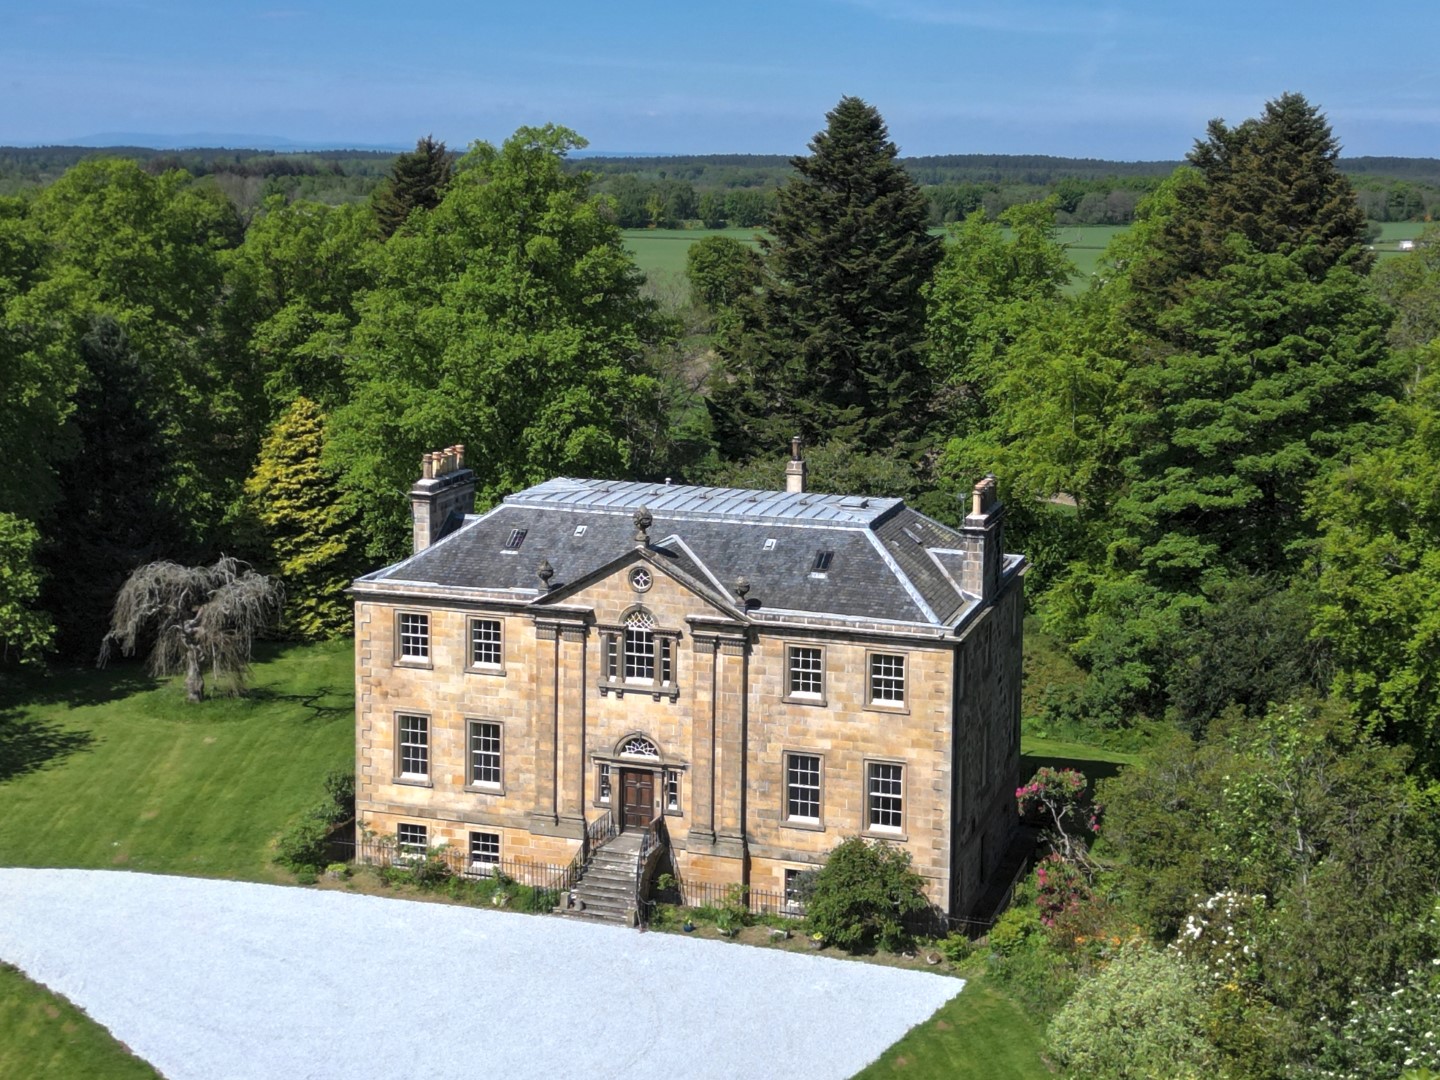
(737, 190)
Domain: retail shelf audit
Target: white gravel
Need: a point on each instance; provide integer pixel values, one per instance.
(219, 980)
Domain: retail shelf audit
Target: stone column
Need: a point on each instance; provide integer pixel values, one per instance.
(702, 745)
(570, 701)
(545, 722)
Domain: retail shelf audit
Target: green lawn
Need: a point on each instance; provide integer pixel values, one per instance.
(104, 769)
(43, 1035)
(979, 1035)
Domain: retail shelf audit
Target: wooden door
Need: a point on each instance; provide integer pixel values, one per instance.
(637, 801)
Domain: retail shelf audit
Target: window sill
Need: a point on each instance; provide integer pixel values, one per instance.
(882, 834)
(804, 699)
(620, 689)
(897, 707)
(415, 662)
(805, 826)
(474, 669)
(414, 781)
(485, 789)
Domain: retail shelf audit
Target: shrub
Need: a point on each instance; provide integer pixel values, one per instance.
(1143, 1016)
(1388, 1032)
(863, 894)
(302, 846)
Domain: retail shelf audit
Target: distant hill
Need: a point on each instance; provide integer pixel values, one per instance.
(213, 141)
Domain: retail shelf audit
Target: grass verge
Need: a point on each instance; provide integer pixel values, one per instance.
(43, 1035)
(981, 1034)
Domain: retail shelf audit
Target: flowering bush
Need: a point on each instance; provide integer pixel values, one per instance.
(1389, 1034)
(1059, 887)
(1058, 798)
(1222, 936)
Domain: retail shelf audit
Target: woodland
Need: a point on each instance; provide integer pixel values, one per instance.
(1222, 458)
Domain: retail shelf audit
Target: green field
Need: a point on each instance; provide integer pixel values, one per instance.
(660, 253)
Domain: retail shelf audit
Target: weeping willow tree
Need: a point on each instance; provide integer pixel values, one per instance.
(201, 616)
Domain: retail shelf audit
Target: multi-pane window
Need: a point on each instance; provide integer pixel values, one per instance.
(602, 793)
(640, 647)
(414, 745)
(413, 841)
(884, 796)
(485, 646)
(637, 655)
(887, 679)
(484, 850)
(802, 788)
(414, 636)
(672, 791)
(807, 671)
(485, 754)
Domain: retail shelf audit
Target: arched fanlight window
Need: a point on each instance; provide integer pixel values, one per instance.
(638, 655)
(639, 746)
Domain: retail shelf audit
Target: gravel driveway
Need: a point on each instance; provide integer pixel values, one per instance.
(219, 980)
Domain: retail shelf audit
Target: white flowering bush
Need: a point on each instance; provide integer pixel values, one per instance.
(1391, 1034)
(1221, 938)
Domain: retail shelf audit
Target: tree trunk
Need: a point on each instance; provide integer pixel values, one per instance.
(194, 676)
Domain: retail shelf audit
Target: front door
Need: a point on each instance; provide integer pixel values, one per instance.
(637, 803)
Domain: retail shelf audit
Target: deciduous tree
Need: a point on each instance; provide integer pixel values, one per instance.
(201, 617)
(508, 318)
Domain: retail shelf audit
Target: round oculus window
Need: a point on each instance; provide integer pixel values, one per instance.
(640, 579)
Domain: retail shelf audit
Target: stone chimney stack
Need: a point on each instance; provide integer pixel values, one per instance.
(445, 488)
(984, 541)
(795, 469)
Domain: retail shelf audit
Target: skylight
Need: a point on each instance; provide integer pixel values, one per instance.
(517, 537)
(822, 562)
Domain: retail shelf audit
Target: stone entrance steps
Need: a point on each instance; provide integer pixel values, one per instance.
(606, 890)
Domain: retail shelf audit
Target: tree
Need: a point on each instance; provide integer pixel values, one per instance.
(508, 318)
(863, 894)
(1141, 1017)
(721, 271)
(25, 631)
(1379, 572)
(1302, 810)
(112, 494)
(201, 616)
(417, 181)
(832, 345)
(306, 521)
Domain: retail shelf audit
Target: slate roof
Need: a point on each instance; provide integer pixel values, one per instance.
(888, 563)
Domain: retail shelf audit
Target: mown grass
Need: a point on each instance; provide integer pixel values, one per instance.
(44, 1035)
(104, 769)
(981, 1034)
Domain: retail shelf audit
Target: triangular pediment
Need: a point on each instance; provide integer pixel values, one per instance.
(663, 574)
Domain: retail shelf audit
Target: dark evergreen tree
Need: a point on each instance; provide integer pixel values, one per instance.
(111, 516)
(831, 347)
(1274, 181)
(416, 179)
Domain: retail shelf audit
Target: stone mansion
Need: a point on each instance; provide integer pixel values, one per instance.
(763, 672)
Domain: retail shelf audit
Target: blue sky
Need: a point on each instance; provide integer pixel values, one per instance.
(1114, 80)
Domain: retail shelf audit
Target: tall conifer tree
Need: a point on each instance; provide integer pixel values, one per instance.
(417, 181)
(831, 347)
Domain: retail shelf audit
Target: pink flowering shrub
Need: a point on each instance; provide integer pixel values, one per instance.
(1057, 800)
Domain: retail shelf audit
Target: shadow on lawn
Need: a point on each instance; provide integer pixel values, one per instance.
(74, 686)
(325, 703)
(27, 744)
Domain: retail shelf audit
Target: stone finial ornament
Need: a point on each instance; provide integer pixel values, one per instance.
(643, 520)
(742, 587)
(545, 572)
